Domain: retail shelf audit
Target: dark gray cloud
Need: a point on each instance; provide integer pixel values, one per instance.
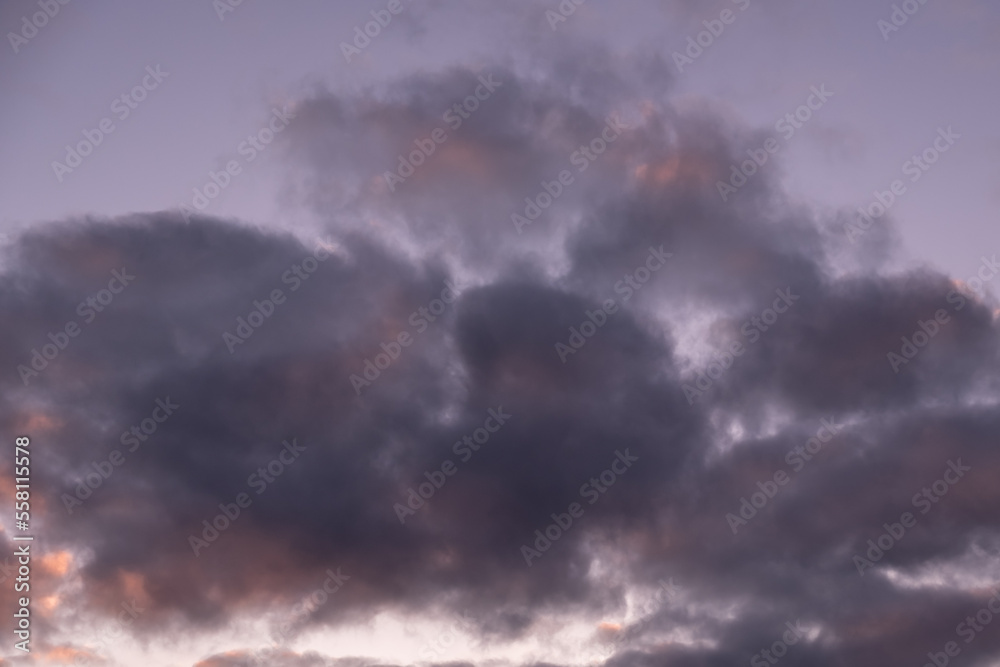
(627, 388)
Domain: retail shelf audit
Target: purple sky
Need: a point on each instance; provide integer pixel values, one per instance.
(890, 95)
(706, 328)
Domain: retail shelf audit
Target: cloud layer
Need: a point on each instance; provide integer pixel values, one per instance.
(658, 378)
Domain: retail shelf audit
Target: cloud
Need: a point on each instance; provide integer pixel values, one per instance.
(825, 357)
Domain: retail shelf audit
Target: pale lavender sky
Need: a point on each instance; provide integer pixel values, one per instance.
(890, 96)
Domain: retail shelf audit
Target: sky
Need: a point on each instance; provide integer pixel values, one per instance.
(530, 333)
